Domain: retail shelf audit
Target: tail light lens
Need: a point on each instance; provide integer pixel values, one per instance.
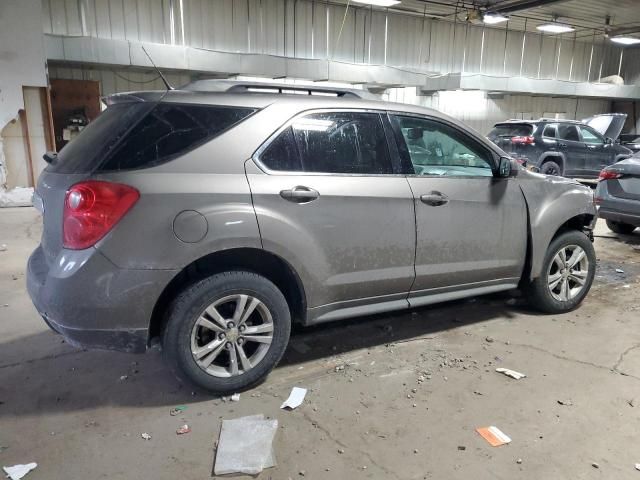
(608, 175)
(527, 140)
(91, 209)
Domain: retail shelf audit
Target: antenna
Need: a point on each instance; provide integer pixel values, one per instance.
(164, 80)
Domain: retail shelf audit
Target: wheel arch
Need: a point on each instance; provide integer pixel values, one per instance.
(256, 260)
(538, 247)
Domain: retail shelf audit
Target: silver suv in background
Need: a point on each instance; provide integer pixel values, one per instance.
(214, 216)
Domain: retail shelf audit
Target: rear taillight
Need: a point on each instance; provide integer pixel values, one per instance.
(91, 209)
(526, 140)
(609, 175)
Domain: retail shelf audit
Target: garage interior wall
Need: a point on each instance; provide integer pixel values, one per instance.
(320, 30)
(22, 69)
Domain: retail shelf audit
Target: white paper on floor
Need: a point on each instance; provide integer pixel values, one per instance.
(245, 445)
(296, 397)
(19, 471)
(511, 373)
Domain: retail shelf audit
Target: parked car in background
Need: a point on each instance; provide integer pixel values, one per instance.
(631, 141)
(618, 195)
(212, 217)
(561, 147)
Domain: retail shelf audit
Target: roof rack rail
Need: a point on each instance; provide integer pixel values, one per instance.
(230, 86)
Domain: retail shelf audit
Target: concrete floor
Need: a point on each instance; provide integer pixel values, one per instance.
(70, 411)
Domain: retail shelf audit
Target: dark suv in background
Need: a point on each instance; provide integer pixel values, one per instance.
(563, 147)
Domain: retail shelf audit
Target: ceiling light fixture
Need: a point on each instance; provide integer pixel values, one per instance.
(555, 27)
(493, 18)
(378, 3)
(625, 40)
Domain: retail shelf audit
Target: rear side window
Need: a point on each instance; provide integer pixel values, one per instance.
(568, 132)
(143, 134)
(550, 131)
(169, 130)
(511, 130)
(332, 142)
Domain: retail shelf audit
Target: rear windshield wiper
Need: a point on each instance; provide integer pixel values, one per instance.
(50, 157)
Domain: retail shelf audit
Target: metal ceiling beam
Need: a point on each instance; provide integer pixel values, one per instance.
(520, 5)
(614, 32)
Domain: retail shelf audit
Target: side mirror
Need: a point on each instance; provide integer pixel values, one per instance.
(608, 141)
(507, 167)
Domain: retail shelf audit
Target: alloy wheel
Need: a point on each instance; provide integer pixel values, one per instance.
(568, 273)
(232, 335)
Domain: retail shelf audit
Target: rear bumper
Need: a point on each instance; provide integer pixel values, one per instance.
(615, 208)
(93, 303)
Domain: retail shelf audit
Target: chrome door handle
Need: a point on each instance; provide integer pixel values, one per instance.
(300, 194)
(435, 199)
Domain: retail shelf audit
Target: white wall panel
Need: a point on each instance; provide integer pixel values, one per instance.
(298, 28)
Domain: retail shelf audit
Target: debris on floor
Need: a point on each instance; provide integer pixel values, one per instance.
(296, 397)
(3, 247)
(619, 270)
(146, 436)
(183, 429)
(494, 436)
(245, 445)
(178, 410)
(637, 466)
(235, 397)
(511, 373)
(595, 465)
(566, 403)
(17, 472)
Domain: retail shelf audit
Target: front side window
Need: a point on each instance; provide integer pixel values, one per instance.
(331, 142)
(435, 148)
(568, 132)
(589, 136)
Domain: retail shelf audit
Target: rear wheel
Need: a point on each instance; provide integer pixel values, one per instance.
(620, 227)
(551, 168)
(567, 274)
(227, 332)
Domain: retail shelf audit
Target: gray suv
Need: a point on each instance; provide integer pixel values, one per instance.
(214, 216)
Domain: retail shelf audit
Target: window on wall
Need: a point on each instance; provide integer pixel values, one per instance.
(331, 142)
(436, 148)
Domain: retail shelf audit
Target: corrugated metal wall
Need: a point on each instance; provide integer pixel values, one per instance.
(478, 110)
(315, 29)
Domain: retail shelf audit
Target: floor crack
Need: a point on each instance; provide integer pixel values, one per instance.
(621, 358)
(583, 362)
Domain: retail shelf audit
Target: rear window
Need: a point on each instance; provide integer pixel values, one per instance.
(141, 135)
(511, 130)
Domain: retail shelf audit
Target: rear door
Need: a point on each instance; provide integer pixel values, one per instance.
(573, 150)
(597, 156)
(471, 226)
(331, 202)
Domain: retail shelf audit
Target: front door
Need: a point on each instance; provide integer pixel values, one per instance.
(573, 149)
(330, 201)
(471, 226)
(597, 155)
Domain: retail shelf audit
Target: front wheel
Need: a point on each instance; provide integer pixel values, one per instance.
(227, 332)
(620, 227)
(567, 274)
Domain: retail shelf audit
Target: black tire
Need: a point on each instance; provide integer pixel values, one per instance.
(620, 227)
(538, 292)
(190, 304)
(551, 168)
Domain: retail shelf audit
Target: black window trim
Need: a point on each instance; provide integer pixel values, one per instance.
(408, 166)
(393, 157)
(593, 131)
(169, 158)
